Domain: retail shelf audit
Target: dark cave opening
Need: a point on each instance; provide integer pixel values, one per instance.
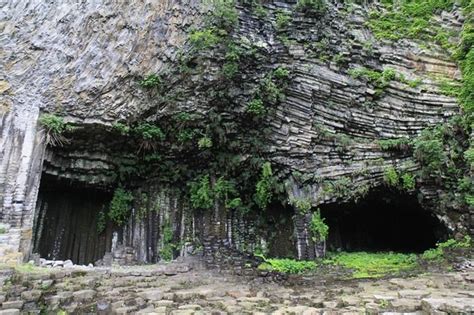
(384, 220)
(66, 221)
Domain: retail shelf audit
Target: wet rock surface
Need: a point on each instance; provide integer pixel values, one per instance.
(183, 288)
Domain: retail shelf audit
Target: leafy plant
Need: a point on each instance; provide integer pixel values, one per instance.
(319, 230)
(101, 221)
(205, 143)
(302, 205)
(282, 19)
(281, 73)
(224, 15)
(439, 252)
(264, 189)
(55, 127)
(204, 39)
(123, 129)
(256, 107)
(391, 177)
(119, 208)
(287, 265)
(167, 249)
(202, 195)
(408, 181)
(373, 265)
(400, 144)
(151, 81)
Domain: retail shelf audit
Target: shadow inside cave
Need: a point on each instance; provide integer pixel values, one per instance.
(385, 220)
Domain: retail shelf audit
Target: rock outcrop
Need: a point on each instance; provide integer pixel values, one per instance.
(84, 61)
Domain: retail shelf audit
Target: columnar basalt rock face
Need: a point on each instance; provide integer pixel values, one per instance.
(84, 61)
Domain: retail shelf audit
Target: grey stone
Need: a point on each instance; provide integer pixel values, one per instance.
(83, 295)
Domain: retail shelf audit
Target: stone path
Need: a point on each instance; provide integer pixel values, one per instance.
(180, 289)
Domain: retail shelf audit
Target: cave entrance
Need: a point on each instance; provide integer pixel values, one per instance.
(383, 221)
(66, 222)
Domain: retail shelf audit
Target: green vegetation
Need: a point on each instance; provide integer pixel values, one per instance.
(224, 15)
(204, 39)
(408, 181)
(319, 230)
(409, 19)
(390, 177)
(101, 221)
(54, 127)
(438, 253)
(282, 19)
(399, 144)
(265, 186)
(256, 107)
(285, 265)
(205, 143)
(3, 230)
(123, 129)
(151, 81)
(373, 265)
(311, 7)
(167, 249)
(202, 196)
(429, 151)
(302, 205)
(449, 87)
(119, 208)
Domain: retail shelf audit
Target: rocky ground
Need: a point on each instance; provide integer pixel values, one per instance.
(185, 288)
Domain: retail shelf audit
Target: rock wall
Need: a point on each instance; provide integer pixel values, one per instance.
(84, 60)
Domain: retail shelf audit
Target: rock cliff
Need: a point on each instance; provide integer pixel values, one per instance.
(159, 95)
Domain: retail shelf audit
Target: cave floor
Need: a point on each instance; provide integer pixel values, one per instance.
(184, 288)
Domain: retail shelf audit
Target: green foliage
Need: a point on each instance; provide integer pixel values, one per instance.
(151, 81)
(438, 253)
(54, 127)
(54, 124)
(270, 91)
(123, 129)
(185, 135)
(149, 132)
(3, 230)
(449, 87)
(390, 177)
(202, 195)
(408, 181)
(373, 265)
(282, 19)
(409, 19)
(264, 193)
(466, 95)
(224, 15)
(286, 265)
(101, 221)
(260, 11)
(204, 39)
(400, 144)
(281, 73)
(302, 205)
(119, 208)
(311, 7)
(167, 249)
(319, 230)
(256, 107)
(205, 143)
(230, 69)
(380, 79)
(429, 151)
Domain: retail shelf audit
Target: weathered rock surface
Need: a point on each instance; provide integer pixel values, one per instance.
(83, 60)
(147, 290)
